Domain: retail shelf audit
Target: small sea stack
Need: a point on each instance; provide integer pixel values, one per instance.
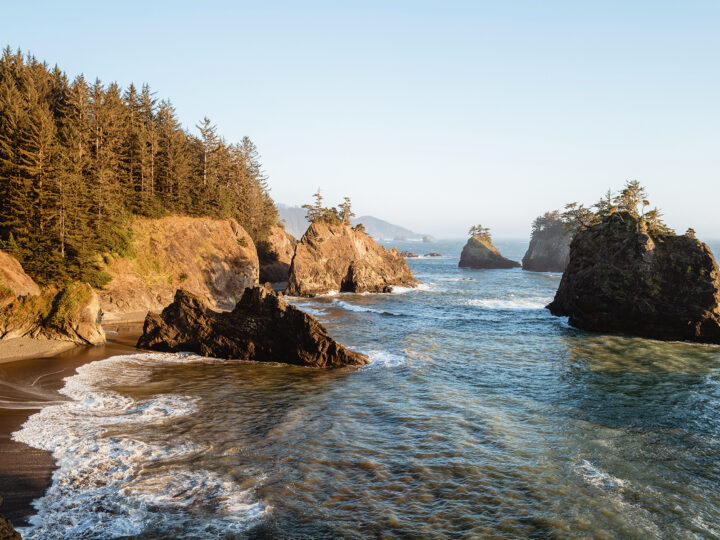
(549, 249)
(408, 254)
(631, 274)
(262, 327)
(480, 253)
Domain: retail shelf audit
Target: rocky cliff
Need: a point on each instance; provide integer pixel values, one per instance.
(479, 252)
(7, 531)
(549, 249)
(335, 257)
(13, 279)
(213, 258)
(281, 248)
(623, 278)
(261, 328)
(71, 314)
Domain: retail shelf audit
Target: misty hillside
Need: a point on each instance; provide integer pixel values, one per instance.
(296, 224)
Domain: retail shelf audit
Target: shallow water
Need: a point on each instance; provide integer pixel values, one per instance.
(480, 415)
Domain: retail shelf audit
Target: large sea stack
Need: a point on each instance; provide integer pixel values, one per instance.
(479, 252)
(626, 277)
(549, 249)
(335, 257)
(261, 328)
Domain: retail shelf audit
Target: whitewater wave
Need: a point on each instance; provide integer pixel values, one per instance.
(598, 478)
(509, 303)
(384, 359)
(109, 485)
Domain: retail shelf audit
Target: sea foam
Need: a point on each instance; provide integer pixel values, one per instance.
(108, 485)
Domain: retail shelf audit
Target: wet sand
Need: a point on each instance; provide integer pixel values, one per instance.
(25, 387)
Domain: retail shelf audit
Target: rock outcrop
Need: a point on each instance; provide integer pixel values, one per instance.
(213, 258)
(261, 328)
(13, 279)
(433, 254)
(7, 531)
(479, 252)
(549, 249)
(623, 278)
(71, 314)
(334, 257)
(280, 250)
(408, 254)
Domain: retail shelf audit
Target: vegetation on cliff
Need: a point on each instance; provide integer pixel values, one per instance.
(628, 272)
(549, 249)
(79, 159)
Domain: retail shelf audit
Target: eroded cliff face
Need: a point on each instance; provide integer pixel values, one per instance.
(479, 252)
(335, 257)
(13, 279)
(70, 314)
(621, 278)
(212, 258)
(282, 246)
(261, 328)
(549, 251)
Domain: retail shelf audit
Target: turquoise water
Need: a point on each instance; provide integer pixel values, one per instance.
(481, 415)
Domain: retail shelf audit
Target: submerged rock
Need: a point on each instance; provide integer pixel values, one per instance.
(13, 279)
(623, 278)
(280, 250)
(261, 328)
(479, 252)
(549, 249)
(433, 254)
(334, 257)
(71, 314)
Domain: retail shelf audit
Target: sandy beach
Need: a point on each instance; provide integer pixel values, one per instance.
(26, 386)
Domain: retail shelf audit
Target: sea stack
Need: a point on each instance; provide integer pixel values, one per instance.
(626, 275)
(549, 249)
(336, 257)
(261, 328)
(479, 252)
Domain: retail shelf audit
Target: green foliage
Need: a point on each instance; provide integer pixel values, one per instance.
(480, 231)
(317, 213)
(183, 276)
(66, 304)
(78, 160)
(6, 292)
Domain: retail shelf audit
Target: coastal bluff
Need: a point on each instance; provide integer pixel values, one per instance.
(13, 279)
(212, 258)
(280, 246)
(480, 253)
(262, 327)
(336, 257)
(623, 277)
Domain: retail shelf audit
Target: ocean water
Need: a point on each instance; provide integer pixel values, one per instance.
(481, 415)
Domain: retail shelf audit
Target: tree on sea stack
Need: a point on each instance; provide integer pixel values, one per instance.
(479, 251)
(479, 230)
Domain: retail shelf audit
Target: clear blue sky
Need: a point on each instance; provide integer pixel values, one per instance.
(433, 115)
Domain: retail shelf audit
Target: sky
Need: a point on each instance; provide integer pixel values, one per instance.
(432, 115)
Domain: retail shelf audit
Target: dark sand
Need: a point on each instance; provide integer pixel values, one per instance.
(25, 387)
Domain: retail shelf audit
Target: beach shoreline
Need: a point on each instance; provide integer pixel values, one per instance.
(26, 385)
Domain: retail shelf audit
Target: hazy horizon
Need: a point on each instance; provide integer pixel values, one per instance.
(430, 116)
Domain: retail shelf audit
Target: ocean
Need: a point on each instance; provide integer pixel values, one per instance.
(480, 415)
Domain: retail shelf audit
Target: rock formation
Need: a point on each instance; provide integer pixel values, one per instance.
(549, 249)
(433, 254)
(479, 252)
(13, 279)
(624, 278)
(213, 258)
(334, 257)
(280, 250)
(261, 328)
(7, 531)
(408, 254)
(71, 314)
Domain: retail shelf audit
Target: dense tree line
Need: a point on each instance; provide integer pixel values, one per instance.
(79, 159)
